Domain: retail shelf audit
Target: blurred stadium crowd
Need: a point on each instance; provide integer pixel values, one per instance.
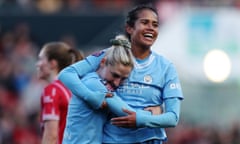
(83, 6)
(20, 89)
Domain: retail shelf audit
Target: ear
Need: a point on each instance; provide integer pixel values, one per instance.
(103, 61)
(128, 29)
(54, 64)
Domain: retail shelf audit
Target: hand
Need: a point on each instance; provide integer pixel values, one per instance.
(104, 104)
(155, 110)
(128, 121)
(109, 95)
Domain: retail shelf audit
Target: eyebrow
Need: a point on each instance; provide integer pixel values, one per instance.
(145, 19)
(116, 75)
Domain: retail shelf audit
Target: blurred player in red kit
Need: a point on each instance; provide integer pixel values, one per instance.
(53, 57)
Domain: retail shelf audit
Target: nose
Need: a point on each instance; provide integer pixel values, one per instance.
(117, 81)
(150, 26)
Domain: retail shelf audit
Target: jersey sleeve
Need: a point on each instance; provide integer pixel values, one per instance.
(172, 87)
(50, 104)
(71, 78)
(116, 106)
(169, 118)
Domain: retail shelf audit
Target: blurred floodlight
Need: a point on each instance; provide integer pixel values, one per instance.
(217, 66)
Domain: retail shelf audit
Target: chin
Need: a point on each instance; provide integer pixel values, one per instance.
(42, 77)
(148, 43)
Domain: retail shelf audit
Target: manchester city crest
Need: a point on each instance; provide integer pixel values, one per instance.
(147, 79)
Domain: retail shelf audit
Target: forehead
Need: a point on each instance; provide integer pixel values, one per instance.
(121, 69)
(42, 53)
(147, 14)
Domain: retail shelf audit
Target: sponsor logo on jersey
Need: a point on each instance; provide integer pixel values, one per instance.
(175, 86)
(47, 99)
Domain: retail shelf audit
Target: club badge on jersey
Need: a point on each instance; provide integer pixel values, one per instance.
(147, 79)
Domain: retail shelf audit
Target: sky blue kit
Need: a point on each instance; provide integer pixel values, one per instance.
(84, 122)
(153, 81)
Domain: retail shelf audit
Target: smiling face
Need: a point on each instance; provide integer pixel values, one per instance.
(145, 29)
(114, 75)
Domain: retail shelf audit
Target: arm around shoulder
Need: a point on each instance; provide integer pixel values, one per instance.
(71, 78)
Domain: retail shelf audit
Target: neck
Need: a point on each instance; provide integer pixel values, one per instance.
(52, 77)
(140, 52)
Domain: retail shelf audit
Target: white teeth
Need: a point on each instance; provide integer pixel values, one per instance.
(148, 35)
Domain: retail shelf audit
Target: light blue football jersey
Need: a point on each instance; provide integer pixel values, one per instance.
(153, 81)
(85, 124)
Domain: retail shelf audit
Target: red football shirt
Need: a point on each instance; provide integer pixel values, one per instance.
(54, 105)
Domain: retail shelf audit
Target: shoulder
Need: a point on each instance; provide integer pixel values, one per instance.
(55, 84)
(94, 59)
(161, 58)
(162, 61)
(50, 86)
(56, 87)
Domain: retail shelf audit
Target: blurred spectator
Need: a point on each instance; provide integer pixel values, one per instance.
(111, 5)
(76, 6)
(49, 6)
(23, 57)
(24, 131)
(30, 95)
(7, 43)
(26, 5)
(235, 133)
(6, 73)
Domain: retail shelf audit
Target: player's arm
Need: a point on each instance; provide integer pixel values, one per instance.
(71, 78)
(116, 106)
(169, 118)
(155, 110)
(172, 95)
(50, 133)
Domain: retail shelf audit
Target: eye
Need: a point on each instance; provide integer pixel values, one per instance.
(115, 75)
(144, 21)
(123, 78)
(155, 24)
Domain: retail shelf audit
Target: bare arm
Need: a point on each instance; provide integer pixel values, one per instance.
(50, 133)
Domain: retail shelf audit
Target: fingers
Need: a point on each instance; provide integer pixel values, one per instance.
(128, 111)
(147, 109)
(155, 110)
(128, 121)
(122, 122)
(124, 118)
(108, 95)
(104, 105)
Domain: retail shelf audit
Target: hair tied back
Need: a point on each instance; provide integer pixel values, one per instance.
(121, 41)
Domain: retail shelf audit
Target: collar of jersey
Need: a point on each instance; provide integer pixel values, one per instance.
(139, 64)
